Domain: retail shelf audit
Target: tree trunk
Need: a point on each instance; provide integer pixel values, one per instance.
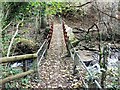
(38, 22)
(1, 15)
(43, 22)
(119, 18)
(104, 65)
(3, 81)
(17, 58)
(43, 17)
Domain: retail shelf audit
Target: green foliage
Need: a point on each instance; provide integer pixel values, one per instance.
(18, 10)
(9, 71)
(87, 38)
(13, 10)
(53, 8)
(5, 42)
(13, 71)
(25, 81)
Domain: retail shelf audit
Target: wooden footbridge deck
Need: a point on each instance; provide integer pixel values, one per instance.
(55, 71)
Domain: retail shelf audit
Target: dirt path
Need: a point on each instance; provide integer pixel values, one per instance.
(55, 71)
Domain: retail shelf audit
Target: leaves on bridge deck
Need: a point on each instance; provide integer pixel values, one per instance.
(56, 71)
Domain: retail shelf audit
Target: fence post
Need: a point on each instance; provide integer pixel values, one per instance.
(46, 45)
(49, 37)
(25, 66)
(76, 60)
(74, 67)
(66, 39)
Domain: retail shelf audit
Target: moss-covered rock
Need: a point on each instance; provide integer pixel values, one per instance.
(24, 46)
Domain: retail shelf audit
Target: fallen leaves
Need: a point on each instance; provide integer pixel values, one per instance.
(55, 71)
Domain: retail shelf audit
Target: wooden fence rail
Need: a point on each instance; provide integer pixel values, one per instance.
(39, 55)
(17, 58)
(10, 78)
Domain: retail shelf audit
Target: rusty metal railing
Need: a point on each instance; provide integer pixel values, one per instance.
(78, 61)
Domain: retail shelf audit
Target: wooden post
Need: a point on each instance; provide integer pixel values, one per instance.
(66, 38)
(49, 37)
(25, 66)
(68, 46)
(75, 63)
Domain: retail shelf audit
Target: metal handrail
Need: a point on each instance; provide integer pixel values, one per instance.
(75, 53)
(41, 46)
(85, 67)
(42, 56)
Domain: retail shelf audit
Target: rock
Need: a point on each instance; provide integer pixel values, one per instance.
(87, 63)
(75, 80)
(16, 64)
(23, 45)
(119, 58)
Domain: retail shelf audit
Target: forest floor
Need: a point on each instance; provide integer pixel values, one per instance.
(56, 70)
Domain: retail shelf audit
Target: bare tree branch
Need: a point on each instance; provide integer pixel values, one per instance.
(6, 26)
(106, 13)
(82, 4)
(8, 52)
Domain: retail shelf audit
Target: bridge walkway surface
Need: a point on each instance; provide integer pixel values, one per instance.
(56, 70)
